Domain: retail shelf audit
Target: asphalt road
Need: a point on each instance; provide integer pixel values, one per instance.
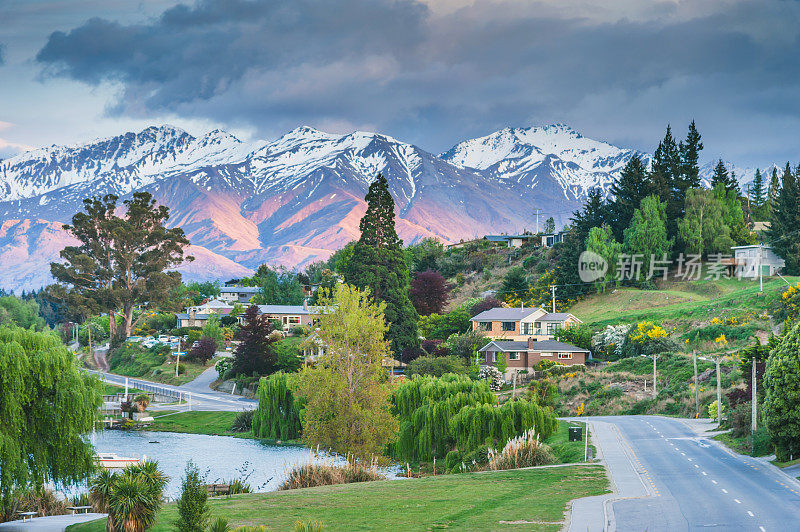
(669, 478)
(202, 397)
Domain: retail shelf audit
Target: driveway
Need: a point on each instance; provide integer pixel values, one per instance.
(669, 477)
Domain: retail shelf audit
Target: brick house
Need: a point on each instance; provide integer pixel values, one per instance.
(519, 324)
(524, 355)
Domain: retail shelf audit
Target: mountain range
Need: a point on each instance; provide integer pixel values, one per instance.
(298, 198)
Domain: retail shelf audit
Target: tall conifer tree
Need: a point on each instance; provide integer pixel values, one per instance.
(628, 191)
(378, 263)
(784, 231)
(757, 196)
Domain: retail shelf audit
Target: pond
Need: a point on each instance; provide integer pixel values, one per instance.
(219, 458)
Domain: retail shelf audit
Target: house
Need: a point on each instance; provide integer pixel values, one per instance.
(521, 356)
(314, 347)
(289, 315)
(519, 324)
(237, 294)
(748, 258)
(512, 241)
(199, 315)
(549, 240)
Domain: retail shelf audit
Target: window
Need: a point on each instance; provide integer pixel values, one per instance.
(494, 356)
(513, 356)
(509, 326)
(527, 328)
(562, 356)
(553, 326)
(485, 325)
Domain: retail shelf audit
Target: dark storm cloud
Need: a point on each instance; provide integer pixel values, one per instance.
(435, 78)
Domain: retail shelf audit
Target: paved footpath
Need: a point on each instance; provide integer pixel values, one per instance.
(55, 523)
(667, 476)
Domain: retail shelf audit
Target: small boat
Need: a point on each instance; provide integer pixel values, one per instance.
(113, 461)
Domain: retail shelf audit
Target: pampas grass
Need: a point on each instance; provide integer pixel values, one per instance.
(523, 451)
(325, 474)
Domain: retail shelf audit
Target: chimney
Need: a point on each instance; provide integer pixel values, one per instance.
(305, 304)
(530, 343)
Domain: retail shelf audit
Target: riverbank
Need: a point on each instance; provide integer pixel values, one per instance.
(523, 499)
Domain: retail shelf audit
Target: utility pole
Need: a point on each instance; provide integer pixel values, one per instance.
(754, 400)
(696, 396)
(537, 211)
(655, 388)
(760, 268)
(553, 289)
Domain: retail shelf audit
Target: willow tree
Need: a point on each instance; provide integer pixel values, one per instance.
(121, 262)
(278, 414)
(348, 407)
(46, 406)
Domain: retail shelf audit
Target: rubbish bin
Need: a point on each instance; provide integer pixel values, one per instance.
(575, 434)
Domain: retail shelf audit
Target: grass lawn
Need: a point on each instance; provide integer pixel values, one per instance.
(568, 451)
(685, 300)
(525, 499)
(167, 374)
(740, 445)
(213, 423)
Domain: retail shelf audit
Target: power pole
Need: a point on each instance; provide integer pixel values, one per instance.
(553, 289)
(655, 388)
(754, 400)
(760, 268)
(537, 211)
(696, 396)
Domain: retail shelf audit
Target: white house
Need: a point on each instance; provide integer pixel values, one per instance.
(748, 259)
(237, 294)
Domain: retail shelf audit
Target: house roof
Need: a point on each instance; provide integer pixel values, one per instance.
(505, 238)
(556, 316)
(239, 289)
(215, 303)
(284, 309)
(507, 314)
(184, 316)
(542, 345)
(752, 246)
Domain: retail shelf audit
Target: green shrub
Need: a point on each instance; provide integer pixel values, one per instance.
(740, 420)
(452, 459)
(192, 505)
(243, 422)
(436, 366)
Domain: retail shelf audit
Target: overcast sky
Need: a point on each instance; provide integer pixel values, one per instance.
(429, 72)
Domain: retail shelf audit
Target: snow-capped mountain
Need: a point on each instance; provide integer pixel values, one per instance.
(744, 176)
(298, 198)
(527, 155)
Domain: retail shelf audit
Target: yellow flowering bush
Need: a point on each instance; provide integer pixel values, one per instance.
(725, 321)
(789, 305)
(646, 331)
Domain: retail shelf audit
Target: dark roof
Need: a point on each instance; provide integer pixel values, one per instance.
(239, 289)
(500, 314)
(283, 309)
(541, 345)
(505, 238)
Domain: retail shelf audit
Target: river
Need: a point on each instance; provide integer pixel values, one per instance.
(219, 458)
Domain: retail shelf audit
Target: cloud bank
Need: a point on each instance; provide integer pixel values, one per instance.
(436, 73)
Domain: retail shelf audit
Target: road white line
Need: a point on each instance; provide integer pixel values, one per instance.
(762, 529)
(714, 481)
(689, 459)
(737, 501)
(724, 490)
(697, 466)
(705, 474)
(750, 513)
(683, 454)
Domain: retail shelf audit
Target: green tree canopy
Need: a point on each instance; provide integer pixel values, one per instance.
(784, 231)
(20, 312)
(348, 400)
(703, 229)
(733, 215)
(121, 261)
(782, 403)
(722, 177)
(515, 284)
(378, 263)
(601, 241)
(628, 191)
(46, 406)
(647, 234)
(278, 286)
(758, 196)
(255, 353)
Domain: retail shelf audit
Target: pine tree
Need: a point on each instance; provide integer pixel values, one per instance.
(721, 175)
(666, 178)
(757, 195)
(690, 156)
(628, 191)
(784, 231)
(594, 214)
(378, 263)
(774, 189)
